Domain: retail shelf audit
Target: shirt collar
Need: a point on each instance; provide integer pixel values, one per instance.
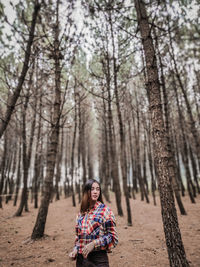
(97, 204)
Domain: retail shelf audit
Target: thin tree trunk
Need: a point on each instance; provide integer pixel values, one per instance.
(58, 166)
(194, 168)
(82, 139)
(12, 188)
(38, 156)
(178, 166)
(24, 158)
(131, 154)
(184, 151)
(123, 157)
(138, 158)
(8, 196)
(144, 166)
(17, 188)
(150, 158)
(112, 145)
(3, 165)
(105, 160)
(27, 150)
(73, 146)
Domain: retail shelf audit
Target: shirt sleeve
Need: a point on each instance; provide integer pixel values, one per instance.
(110, 238)
(76, 245)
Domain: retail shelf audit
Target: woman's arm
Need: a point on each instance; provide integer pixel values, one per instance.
(76, 245)
(74, 252)
(110, 238)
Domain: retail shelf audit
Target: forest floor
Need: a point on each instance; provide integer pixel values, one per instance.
(143, 244)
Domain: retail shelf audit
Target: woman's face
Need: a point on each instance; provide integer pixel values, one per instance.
(95, 191)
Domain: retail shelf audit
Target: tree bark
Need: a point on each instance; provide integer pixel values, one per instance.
(39, 227)
(17, 188)
(123, 157)
(13, 98)
(73, 146)
(169, 133)
(163, 155)
(112, 146)
(24, 157)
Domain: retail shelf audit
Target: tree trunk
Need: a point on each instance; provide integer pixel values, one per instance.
(194, 168)
(3, 165)
(192, 122)
(58, 166)
(176, 252)
(18, 175)
(24, 158)
(27, 150)
(178, 166)
(73, 146)
(112, 146)
(184, 151)
(13, 98)
(144, 167)
(38, 154)
(169, 135)
(39, 227)
(104, 165)
(10, 182)
(82, 139)
(123, 157)
(131, 155)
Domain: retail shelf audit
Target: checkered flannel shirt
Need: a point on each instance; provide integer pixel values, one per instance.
(97, 225)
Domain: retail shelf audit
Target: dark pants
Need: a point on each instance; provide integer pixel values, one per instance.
(94, 259)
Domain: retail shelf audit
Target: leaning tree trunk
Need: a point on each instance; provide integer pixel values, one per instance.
(13, 99)
(163, 155)
(39, 227)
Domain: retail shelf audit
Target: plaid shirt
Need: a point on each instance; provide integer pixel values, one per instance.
(97, 225)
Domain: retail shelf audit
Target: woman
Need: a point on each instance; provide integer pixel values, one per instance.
(95, 229)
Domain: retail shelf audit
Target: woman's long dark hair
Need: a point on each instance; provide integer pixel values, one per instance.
(87, 194)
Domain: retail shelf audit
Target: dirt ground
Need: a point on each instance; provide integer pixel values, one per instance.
(141, 245)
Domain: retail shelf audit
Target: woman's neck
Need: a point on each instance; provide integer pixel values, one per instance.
(92, 203)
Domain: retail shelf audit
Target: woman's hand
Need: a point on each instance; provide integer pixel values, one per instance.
(73, 254)
(87, 249)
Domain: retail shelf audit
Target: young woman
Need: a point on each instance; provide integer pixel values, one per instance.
(95, 229)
